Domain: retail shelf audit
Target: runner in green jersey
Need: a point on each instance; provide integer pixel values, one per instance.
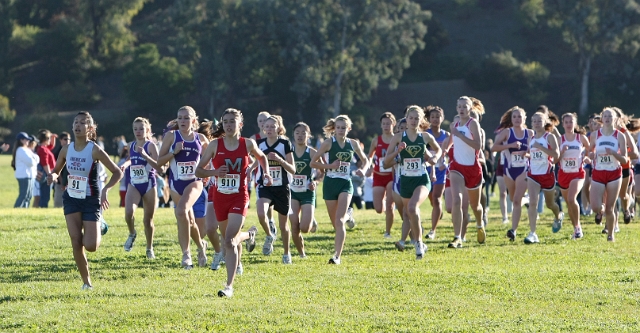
(337, 189)
(303, 188)
(414, 180)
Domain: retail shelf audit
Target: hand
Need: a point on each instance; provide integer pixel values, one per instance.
(178, 147)
(536, 145)
(433, 178)
(360, 173)
(565, 148)
(222, 171)
(267, 180)
(610, 151)
(122, 167)
(402, 145)
(335, 164)
(39, 176)
(104, 200)
(452, 128)
(441, 167)
(516, 145)
(5, 147)
(312, 185)
(140, 150)
(587, 160)
(52, 177)
(274, 157)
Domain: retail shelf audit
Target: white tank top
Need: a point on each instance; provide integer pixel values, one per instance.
(539, 161)
(83, 173)
(604, 161)
(572, 158)
(463, 154)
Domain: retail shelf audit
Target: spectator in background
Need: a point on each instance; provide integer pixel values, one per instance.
(47, 163)
(121, 143)
(357, 181)
(37, 171)
(100, 142)
(4, 148)
(61, 183)
(23, 162)
(367, 192)
(123, 182)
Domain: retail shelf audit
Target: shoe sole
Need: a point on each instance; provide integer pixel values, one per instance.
(482, 235)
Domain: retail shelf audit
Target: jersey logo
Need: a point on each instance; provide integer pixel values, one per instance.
(344, 156)
(413, 150)
(188, 153)
(300, 166)
(235, 166)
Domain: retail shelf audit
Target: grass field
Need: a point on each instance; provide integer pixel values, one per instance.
(558, 285)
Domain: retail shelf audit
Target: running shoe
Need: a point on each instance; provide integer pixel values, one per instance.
(557, 223)
(251, 242)
(482, 234)
(351, 223)
(129, 243)
(420, 250)
(334, 261)
(286, 259)
(531, 238)
(505, 220)
(456, 243)
(87, 287)
(485, 218)
(303, 256)
(267, 248)
(616, 228)
(627, 217)
(387, 235)
(150, 254)
(511, 234)
(202, 255)
(400, 245)
(599, 218)
(239, 269)
(215, 263)
(605, 231)
(577, 233)
(226, 292)
(273, 229)
(104, 227)
(431, 234)
(610, 239)
(186, 260)
(314, 226)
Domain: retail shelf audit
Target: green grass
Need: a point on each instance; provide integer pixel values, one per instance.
(556, 286)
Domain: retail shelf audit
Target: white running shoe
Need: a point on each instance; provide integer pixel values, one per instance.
(314, 226)
(431, 234)
(351, 223)
(239, 269)
(286, 259)
(186, 260)
(387, 235)
(505, 220)
(400, 245)
(531, 238)
(150, 254)
(267, 248)
(251, 242)
(129, 243)
(334, 260)
(226, 292)
(202, 255)
(87, 287)
(217, 259)
(420, 250)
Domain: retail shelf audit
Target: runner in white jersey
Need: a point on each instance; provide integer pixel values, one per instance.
(608, 151)
(543, 150)
(571, 174)
(82, 199)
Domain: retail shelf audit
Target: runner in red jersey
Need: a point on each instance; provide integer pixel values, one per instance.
(230, 157)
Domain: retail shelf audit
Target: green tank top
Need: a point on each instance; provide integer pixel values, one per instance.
(412, 157)
(302, 176)
(345, 155)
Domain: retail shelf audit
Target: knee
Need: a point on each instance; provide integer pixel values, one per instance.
(379, 209)
(181, 213)
(128, 214)
(229, 243)
(91, 246)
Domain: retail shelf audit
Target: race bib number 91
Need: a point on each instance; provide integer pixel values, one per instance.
(77, 187)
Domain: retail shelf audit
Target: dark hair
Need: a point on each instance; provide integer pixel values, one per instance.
(219, 132)
(16, 145)
(43, 135)
(91, 135)
(207, 128)
(433, 109)
(389, 115)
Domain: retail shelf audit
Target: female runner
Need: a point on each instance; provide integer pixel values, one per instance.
(303, 188)
(627, 181)
(338, 189)
(436, 116)
(571, 174)
(543, 150)
(182, 147)
(514, 139)
(593, 125)
(230, 195)
(383, 177)
(279, 151)
(414, 179)
(608, 151)
(397, 199)
(142, 183)
(82, 200)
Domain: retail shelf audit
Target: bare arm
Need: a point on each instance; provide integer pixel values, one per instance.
(475, 131)
(316, 160)
(60, 162)
(436, 148)
(164, 156)
(116, 174)
(392, 152)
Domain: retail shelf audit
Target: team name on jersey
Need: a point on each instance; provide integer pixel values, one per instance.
(606, 143)
(573, 147)
(76, 163)
(235, 166)
(274, 163)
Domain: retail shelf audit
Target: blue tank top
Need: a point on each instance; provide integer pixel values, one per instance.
(140, 171)
(184, 163)
(514, 161)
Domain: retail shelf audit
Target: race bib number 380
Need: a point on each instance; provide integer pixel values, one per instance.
(138, 174)
(77, 187)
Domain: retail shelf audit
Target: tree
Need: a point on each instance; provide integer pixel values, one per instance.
(341, 49)
(591, 27)
(7, 14)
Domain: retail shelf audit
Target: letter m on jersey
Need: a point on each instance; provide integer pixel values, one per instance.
(235, 166)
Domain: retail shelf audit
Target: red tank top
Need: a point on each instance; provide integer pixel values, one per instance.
(237, 162)
(381, 152)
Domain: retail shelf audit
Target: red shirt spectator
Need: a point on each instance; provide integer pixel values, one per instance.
(45, 153)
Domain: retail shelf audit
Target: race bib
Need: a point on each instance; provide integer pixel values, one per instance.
(341, 172)
(276, 175)
(381, 167)
(570, 164)
(77, 187)
(412, 167)
(229, 184)
(138, 174)
(605, 162)
(518, 161)
(299, 183)
(186, 170)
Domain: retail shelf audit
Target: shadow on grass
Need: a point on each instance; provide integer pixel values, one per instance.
(46, 270)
